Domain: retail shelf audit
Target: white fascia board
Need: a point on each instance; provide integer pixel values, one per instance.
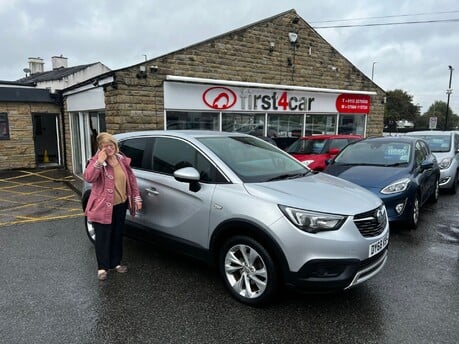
(86, 87)
(260, 85)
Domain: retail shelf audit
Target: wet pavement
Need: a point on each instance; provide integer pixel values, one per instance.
(49, 292)
(38, 195)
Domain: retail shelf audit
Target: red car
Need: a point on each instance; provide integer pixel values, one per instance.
(314, 150)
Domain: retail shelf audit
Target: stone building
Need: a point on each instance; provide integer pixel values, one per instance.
(277, 77)
(31, 113)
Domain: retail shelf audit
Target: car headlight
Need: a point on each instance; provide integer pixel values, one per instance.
(398, 186)
(311, 221)
(307, 162)
(445, 163)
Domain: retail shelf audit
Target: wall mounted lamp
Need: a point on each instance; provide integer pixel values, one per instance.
(142, 73)
(293, 37)
(272, 45)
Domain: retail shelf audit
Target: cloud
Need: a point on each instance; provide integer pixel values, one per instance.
(412, 57)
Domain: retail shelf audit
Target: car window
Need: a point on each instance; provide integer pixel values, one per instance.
(375, 153)
(420, 154)
(135, 149)
(339, 143)
(307, 146)
(253, 160)
(170, 154)
(438, 143)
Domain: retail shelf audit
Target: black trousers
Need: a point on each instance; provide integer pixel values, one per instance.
(109, 239)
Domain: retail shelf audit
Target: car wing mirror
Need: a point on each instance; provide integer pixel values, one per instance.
(189, 175)
(426, 165)
(334, 151)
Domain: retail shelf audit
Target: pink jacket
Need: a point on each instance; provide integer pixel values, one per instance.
(100, 204)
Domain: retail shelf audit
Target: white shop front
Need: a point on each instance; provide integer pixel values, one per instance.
(263, 109)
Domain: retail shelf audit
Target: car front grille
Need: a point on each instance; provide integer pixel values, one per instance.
(371, 223)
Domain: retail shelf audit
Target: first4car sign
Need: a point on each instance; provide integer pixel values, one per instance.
(179, 95)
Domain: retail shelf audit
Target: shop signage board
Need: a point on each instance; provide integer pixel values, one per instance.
(186, 96)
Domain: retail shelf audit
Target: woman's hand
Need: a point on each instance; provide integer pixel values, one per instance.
(101, 157)
(138, 206)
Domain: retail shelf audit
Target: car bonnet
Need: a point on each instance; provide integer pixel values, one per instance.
(317, 192)
(369, 176)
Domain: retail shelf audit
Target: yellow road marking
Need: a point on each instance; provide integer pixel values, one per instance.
(47, 218)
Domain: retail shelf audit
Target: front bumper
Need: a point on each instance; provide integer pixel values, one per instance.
(336, 274)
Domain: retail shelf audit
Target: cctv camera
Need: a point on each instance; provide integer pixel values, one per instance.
(153, 68)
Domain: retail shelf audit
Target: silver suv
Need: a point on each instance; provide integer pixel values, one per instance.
(445, 146)
(258, 214)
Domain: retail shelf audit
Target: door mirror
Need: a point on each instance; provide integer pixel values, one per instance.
(189, 175)
(426, 165)
(334, 151)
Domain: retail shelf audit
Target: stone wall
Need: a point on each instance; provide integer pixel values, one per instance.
(136, 103)
(19, 150)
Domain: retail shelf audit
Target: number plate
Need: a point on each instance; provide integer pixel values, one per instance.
(378, 246)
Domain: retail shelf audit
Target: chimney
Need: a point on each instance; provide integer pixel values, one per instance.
(59, 62)
(36, 65)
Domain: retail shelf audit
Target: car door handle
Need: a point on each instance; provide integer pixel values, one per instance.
(152, 190)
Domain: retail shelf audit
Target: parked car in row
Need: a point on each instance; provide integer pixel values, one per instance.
(402, 171)
(445, 146)
(314, 151)
(254, 211)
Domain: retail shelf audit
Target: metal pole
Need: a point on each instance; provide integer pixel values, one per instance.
(373, 70)
(448, 92)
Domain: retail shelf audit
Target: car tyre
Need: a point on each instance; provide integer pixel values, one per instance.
(453, 189)
(248, 271)
(436, 194)
(90, 231)
(414, 216)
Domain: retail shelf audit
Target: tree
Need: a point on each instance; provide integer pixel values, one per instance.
(438, 110)
(399, 106)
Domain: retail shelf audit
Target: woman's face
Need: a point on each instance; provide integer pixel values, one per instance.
(109, 149)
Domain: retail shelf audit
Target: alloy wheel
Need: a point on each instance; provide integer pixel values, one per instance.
(246, 271)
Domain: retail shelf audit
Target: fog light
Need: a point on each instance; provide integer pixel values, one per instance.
(399, 207)
(444, 180)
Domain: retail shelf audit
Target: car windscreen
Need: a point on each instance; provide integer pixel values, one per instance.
(307, 146)
(377, 153)
(254, 160)
(438, 143)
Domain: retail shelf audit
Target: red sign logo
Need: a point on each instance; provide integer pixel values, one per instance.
(353, 103)
(219, 98)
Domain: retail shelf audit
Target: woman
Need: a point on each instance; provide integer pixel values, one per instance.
(114, 188)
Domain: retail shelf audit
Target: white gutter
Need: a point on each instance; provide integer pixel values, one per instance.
(260, 85)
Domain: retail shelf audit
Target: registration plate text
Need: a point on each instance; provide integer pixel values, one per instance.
(378, 246)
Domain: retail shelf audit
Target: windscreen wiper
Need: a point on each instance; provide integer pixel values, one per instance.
(289, 176)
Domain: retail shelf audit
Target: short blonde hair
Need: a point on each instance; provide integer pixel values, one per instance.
(104, 137)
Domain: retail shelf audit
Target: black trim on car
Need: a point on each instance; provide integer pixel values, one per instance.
(329, 274)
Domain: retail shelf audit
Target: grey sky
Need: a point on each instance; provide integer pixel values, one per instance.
(119, 33)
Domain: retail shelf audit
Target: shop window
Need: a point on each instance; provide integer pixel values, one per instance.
(286, 125)
(253, 124)
(176, 120)
(351, 124)
(320, 124)
(4, 127)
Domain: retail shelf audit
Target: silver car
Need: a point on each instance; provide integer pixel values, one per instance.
(258, 214)
(445, 146)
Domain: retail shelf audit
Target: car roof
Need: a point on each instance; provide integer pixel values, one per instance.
(405, 139)
(330, 136)
(180, 133)
(430, 132)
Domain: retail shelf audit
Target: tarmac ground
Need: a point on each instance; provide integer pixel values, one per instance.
(38, 195)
